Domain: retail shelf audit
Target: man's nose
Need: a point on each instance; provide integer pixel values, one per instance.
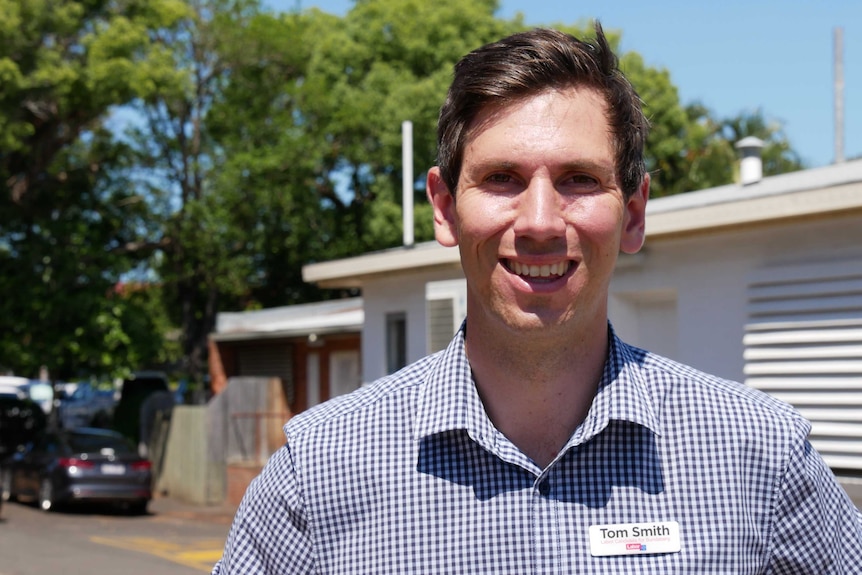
(539, 214)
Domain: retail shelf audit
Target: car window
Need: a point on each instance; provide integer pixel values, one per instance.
(87, 443)
(12, 391)
(82, 392)
(41, 391)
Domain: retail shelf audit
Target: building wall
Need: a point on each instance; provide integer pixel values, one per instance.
(402, 293)
(310, 364)
(314, 364)
(687, 298)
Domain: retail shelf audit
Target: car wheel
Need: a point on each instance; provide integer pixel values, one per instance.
(6, 486)
(46, 496)
(137, 508)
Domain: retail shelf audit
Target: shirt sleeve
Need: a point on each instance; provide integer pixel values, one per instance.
(817, 529)
(270, 533)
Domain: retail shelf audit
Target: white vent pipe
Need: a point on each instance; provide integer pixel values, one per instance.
(407, 180)
(751, 164)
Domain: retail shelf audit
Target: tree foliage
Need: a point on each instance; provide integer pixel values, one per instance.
(67, 212)
(173, 140)
(254, 143)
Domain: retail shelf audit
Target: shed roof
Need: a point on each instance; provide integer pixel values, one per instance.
(334, 316)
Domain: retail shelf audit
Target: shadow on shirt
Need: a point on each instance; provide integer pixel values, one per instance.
(623, 456)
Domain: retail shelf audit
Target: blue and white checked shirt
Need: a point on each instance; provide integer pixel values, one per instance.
(408, 475)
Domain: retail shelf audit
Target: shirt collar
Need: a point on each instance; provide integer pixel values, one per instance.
(449, 399)
(624, 393)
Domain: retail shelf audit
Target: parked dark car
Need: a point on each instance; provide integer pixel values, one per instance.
(78, 465)
(21, 421)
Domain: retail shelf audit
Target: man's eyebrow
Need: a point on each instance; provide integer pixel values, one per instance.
(582, 164)
(488, 165)
(590, 165)
(475, 170)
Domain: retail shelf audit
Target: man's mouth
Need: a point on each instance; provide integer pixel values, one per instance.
(543, 271)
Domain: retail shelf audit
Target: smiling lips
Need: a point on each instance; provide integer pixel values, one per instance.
(544, 271)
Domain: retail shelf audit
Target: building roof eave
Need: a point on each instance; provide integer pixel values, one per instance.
(299, 333)
(352, 272)
(757, 210)
(295, 321)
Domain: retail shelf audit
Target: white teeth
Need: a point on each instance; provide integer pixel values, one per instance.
(535, 271)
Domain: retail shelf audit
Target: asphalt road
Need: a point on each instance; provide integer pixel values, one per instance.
(172, 539)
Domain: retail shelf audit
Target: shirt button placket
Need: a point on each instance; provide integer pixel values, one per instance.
(545, 532)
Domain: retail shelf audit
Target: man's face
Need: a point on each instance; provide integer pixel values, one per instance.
(539, 215)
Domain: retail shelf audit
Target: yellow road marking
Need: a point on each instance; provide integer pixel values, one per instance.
(200, 554)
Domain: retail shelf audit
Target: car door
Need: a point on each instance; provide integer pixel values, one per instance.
(33, 461)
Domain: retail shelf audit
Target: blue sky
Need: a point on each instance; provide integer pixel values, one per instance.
(732, 56)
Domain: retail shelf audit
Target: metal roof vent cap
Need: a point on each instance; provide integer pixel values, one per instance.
(751, 164)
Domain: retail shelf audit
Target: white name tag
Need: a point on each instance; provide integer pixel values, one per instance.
(634, 539)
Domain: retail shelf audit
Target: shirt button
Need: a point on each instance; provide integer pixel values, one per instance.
(544, 488)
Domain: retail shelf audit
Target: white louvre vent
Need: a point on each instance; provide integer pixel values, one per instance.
(803, 344)
(441, 317)
(445, 309)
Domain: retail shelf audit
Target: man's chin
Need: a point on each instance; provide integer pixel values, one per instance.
(535, 322)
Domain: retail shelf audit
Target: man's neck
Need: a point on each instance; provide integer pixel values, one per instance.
(537, 391)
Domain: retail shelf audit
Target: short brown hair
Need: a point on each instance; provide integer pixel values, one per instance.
(527, 64)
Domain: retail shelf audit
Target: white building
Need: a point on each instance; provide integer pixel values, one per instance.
(760, 283)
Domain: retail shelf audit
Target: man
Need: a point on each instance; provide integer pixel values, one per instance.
(538, 442)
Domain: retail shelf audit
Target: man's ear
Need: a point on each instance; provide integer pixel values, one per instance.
(634, 219)
(443, 202)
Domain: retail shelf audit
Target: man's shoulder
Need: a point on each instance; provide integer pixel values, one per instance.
(399, 387)
(681, 387)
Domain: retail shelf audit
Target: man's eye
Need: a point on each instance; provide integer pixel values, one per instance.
(499, 178)
(583, 181)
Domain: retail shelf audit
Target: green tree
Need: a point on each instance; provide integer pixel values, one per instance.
(197, 267)
(675, 134)
(703, 155)
(778, 155)
(143, 315)
(386, 62)
(268, 176)
(69, 218)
